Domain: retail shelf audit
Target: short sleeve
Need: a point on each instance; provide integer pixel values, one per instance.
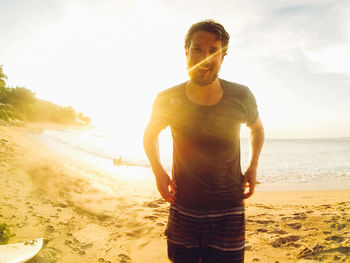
(251, 109)
(160, 113)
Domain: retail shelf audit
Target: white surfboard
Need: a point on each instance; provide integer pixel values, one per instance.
(20, 252)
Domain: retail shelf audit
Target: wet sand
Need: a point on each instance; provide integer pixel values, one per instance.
(85, 214)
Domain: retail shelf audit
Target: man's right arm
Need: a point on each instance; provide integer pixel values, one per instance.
(151, 146)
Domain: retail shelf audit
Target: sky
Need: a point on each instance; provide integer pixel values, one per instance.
(109, 59)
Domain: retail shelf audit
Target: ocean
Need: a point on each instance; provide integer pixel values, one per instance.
(286, 162)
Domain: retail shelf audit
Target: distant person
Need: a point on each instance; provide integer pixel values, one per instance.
(118, 162)
(207, 189)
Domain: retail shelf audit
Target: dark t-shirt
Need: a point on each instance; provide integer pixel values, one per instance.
(206, 144)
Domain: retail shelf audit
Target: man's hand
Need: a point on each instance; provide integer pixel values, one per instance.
(249, 181)
(151, 145)
(257, 137)
(163, 184)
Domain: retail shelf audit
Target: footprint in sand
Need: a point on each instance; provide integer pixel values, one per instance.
(306, 252)
(278, 231)
(161, 201)
(262, 230)
(135, 233)
(144, 244)
(341, 226)
(152, 205)
(68, 243)
(264, 222)
(86, 246)
(103, 260)
(286, 218)
(344, 250)
(155, 203)
(336, 258)
(152, 218)
(286, 241)
(50, 229)
(248, 247)
(263, 206)
(311, 228)
(299, 216)
(336, 239)
(335, 218)
(124, 258)
(163, 210)
(295, 226)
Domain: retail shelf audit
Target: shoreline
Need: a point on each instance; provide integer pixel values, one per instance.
(62, 149)
(303, 187)
(85, 216)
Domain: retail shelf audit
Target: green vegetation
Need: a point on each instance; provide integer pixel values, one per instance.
(21, 104)
(5, 233)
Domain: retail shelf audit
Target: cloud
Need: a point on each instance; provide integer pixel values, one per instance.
(317, 30)
(293, 54)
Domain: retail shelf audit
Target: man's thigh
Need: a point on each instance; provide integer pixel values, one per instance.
(212, 255)
(182, 254)
(214, 237)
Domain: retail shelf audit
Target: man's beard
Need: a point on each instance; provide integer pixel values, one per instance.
(203, 78)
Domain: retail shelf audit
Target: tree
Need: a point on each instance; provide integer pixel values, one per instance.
(6, 110)
(4, 94)
(21, 96)
(83, 119)
(3, 78)
(21, 103)
(22, 100)
(3, 90)
(67, 115)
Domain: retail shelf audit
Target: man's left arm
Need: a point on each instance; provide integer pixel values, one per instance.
(257, 137)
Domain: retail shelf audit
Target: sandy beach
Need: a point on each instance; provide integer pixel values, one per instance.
(85, 216)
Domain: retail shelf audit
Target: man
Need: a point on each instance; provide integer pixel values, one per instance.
(206, 192)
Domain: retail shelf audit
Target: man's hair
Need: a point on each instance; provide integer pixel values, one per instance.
(212, 27)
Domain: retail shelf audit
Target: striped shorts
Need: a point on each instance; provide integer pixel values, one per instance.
(214, 236)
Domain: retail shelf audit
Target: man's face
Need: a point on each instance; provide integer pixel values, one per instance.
(204, 58)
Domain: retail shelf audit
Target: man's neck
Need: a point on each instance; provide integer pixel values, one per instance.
(204, 95)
